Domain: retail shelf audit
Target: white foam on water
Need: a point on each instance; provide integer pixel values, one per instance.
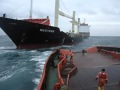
(38, 70)
(46, 53)
(2, 47)
(5, 51)
(66, 46)
(36, 80)
(33, 51)
(37, 58)
(35, 88)
(6, 77)
(40, 65)
(6, 74)
(22, 69)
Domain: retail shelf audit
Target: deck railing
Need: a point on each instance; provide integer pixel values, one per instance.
(60, 66)
(63, 61)
(114, 54)
(70, 73)
(42, 83)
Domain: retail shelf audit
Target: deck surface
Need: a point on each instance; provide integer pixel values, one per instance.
(52, 76)
(87, 68)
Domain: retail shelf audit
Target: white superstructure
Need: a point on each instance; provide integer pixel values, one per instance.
(84, 27)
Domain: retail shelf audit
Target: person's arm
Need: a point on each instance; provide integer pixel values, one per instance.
(106, 78)
(97, 77)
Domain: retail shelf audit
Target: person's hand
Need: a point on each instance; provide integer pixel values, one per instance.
(96, 78)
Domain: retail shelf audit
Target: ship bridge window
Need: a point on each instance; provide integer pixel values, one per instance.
(45, 30)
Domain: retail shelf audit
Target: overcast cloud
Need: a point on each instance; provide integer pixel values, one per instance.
(102, 15)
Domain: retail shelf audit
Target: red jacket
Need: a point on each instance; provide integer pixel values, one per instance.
(103, 78)
(71, 53)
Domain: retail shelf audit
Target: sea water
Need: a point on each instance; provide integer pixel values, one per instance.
(22, 69)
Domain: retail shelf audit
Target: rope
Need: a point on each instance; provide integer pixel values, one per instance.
(65, 6)
(17, 8)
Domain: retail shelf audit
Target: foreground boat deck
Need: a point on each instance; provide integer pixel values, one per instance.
(87, 68)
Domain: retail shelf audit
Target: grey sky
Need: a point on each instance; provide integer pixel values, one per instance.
(102, 15)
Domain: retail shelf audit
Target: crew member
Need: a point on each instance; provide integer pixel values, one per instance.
(83, 52)
(102, 78)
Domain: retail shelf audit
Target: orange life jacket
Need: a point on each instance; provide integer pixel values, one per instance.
(103, 77)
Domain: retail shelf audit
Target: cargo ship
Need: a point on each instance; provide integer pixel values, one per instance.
(31, 34)
(38, 33)
(62, 73)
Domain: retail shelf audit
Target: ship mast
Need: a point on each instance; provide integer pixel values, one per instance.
(73, 21)
(31, 9)
(56, 13)
(78, 25)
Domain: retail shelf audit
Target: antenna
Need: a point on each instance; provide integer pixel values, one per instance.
(31, 9)
(84, 20)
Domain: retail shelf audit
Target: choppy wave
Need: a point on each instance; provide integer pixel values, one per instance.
(6, 77)
(40, 65)
(9, 73)
(16, 64)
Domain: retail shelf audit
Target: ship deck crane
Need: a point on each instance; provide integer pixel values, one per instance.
(57, 13)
